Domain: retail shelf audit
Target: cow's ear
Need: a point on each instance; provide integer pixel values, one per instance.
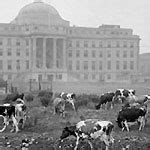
(104, 129)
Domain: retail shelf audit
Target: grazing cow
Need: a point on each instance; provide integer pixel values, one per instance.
(90, 129)
(7, 111)
(13, 97)
(128, 115)
(59, 106)
(106, 98)
(123, 95)
(69, 98)
(16, 113)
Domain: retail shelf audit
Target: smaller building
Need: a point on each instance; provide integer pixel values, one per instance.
(144, 67)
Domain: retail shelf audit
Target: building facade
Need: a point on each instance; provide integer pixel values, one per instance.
(38, 44)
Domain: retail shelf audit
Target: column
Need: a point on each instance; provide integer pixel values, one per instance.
(44, 53)
(64, 53)
(33, 53)
(54, 53)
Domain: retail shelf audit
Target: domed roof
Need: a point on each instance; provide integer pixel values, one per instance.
(39, 13)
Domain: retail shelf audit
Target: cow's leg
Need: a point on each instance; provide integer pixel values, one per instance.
(142, 123)
(126, 125)
(15, 123)
(77, 143)
(5, 124)
(72, 103)
(90, 143)
(112, 105)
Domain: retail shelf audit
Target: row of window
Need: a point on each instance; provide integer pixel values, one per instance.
(104, 44)
(11, 67)
(18, 52)
(17, 42)
(95, 53)
(100, 65)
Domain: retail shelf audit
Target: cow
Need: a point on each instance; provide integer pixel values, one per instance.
(124, 95)
(132, 114)
(15, 112)
(59, 106)
(106, 98)
(90, 129)
(69, 98)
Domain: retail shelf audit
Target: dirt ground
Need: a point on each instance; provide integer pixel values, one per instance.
(43, 132)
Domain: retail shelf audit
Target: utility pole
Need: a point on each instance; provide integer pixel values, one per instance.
(30, 85)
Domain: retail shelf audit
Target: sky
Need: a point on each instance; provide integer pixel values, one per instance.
(134, 14)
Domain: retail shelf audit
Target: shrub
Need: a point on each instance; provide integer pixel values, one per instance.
(45, 101)
(29, 97)
(45, 93)
(10, 98)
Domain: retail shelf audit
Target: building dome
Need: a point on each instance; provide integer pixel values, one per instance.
(38, 13)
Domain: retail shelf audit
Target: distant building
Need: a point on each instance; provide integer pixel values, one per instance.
(38, 44)
(144, 66)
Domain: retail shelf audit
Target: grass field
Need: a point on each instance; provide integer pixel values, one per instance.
(42, 129)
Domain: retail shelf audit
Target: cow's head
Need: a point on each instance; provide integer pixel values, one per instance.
(68, 131)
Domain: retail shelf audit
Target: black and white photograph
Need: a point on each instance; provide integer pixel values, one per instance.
(75, 75)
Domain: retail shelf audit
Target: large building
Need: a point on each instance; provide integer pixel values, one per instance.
(38, 44)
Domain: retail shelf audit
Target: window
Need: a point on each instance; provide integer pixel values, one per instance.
(132, 65)
(70, 65)
(100, 44)
(1, 41)
(108, 54)
(70, 44)
(27, 64)
(93, 54)
(85, 76)
(93, 76)
(124, 54)
(77, 65)
(85, 43)
(50, 77)
(131, 45)
(100, 54)
(9, 42)
(132, 54)
(117, 54)
(18, 64)
(118, 44)
(109, 65)
(40, 77)
(18, 52)
(78, 53)
(108, 76)
(125, 65)
(9, 51)
(18, 42)
(117, 65)
(27, 52)
(9, 76)
(86, 53)
(70, 53)
(9, 63)
(1, 64)
(125, 44)
(85, 65)
(100, 65)
(109, 44)
(93, 44)
(27, 42)
(77, 43)
(1, 52)
(93, 65)
(60, 76)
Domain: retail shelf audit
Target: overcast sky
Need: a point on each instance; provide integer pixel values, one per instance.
(133, 14)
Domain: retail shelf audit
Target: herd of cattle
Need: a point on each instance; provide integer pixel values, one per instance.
(134, 110)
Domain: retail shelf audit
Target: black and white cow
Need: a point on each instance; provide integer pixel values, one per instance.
(59, 106)
(106, 98)
(123, 95)
(69, 98)
(129, 115)
(16, 113)
(88, 130)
